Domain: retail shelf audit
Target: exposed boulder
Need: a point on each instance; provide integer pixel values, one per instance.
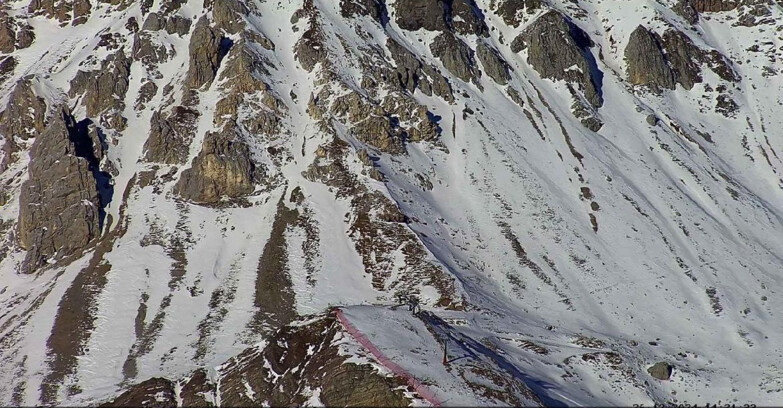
(559, 50)
(494, 64)
(456, 56)
(413, 15)
(661, 371)
(207, 48)
(223, 169)
(60, 205)
(646, 62)
(170, 136)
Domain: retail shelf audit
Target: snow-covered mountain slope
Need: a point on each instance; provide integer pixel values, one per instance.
(576, 190)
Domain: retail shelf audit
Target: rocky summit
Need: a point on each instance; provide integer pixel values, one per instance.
(391, 202)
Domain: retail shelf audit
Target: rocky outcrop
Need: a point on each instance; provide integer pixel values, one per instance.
(23, 118)
(456, 56)
(511, 11)
(229, 15)
(105, 89)
(25, 114)
(7, 34)
(466, 18)
(310, 49)
(7, 66)
(374, 9)
(662, 62)
(559, 50)
(646, 61)
(173, 24)
(148, 51)
(463, 16)
(661, 371)
(74, 11)
(170, 136)
(207, 49)
(413, 15)
(224, 169)
(25, 37)
(412, 73)
(494, 64)
(711, 6)
(297, 358)
(59, 205)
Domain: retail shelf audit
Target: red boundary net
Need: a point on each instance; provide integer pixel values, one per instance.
(420, 388)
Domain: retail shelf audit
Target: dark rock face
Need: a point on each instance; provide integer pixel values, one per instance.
(310, 49)
(646, 62)
(463, 16)
(228, 15)
(661, 63)
(7, 66)
(7, 34)
(25, 114)
(510, 10)
(23, 118)
(493, 63)
(375, 9)
(170, 137)
(60, 204)
(413, 15)
(683, 57)
(25, 37)
(75, 11)
(106, 88)
(661, 371)
(296, 358)
(147, 51)
(456, 56)
(559, 50)
(412, 73)
(206, 51)
(710, 6)
(223, 168)
(172, 25)
(155, 392)
(466, 18)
